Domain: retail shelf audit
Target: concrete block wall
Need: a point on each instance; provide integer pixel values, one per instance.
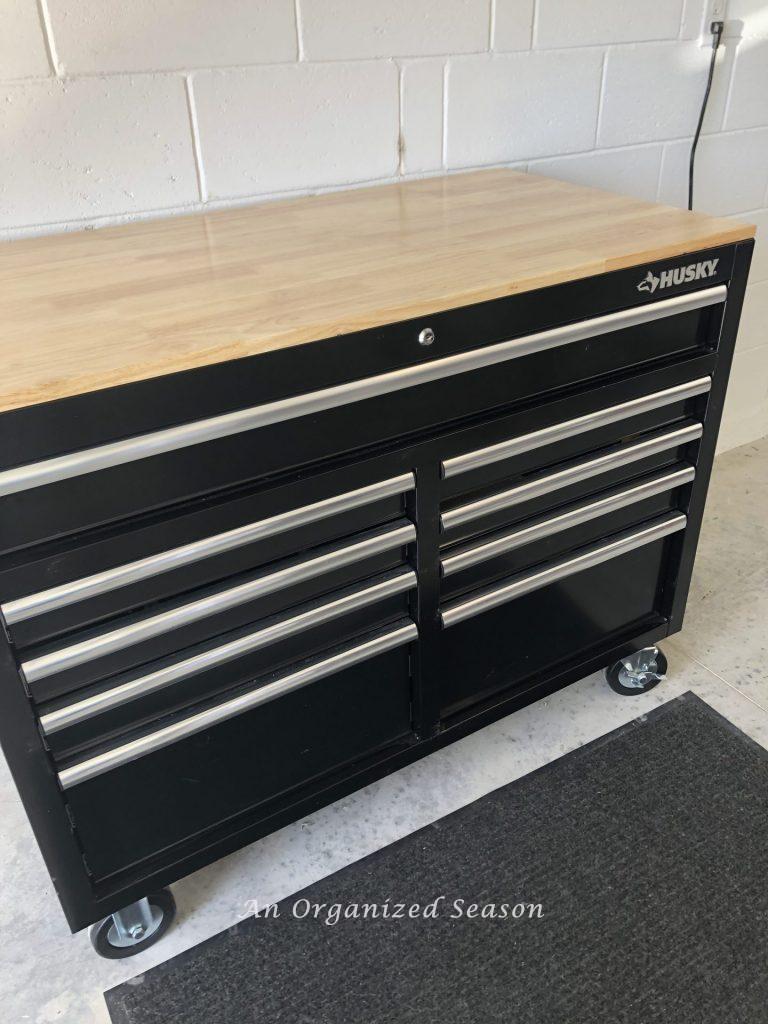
(111, 111)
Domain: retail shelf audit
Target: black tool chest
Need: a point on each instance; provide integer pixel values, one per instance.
(233, 594)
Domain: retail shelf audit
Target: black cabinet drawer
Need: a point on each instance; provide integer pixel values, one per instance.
(88, 578)
(501, 636)
(473, 471)
(526, 475)
(84, 488)
(539, 493)
(85, 656)
(105, 712)
(196, 772)
(573, 525)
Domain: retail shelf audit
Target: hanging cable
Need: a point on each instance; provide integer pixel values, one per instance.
(716, 29)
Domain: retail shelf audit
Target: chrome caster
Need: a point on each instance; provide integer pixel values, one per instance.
(638, 672)
(134, 928)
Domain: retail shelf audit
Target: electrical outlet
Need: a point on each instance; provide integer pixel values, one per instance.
(718, 10)
(714, 10)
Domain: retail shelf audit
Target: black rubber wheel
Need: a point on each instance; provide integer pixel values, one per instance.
(102, 934)
(614, 675)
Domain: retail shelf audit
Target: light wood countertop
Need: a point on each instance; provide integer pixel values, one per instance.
(88, 310)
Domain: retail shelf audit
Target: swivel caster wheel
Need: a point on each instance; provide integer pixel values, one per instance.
(638, 672)
(134, 928)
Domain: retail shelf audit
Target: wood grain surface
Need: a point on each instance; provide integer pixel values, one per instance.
(92, 309)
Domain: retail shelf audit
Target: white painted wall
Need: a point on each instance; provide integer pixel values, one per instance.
(112, 110)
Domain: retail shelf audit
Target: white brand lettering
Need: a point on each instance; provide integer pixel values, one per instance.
(678, 275)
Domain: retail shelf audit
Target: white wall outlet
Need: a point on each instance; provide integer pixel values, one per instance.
(714, 10)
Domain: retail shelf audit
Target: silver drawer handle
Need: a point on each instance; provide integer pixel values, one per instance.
(472, 555)
(229, 709)
(64, 467)
(122, 575)
(571, 475)
(570, 428)
(589, 557)
(143, 629)
(184, 669)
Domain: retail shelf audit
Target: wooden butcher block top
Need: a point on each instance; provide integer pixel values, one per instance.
(92, 309)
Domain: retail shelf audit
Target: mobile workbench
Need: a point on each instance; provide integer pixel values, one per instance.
(296, 493)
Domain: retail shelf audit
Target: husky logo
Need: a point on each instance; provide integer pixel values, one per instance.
(667, 278)
(649, 283)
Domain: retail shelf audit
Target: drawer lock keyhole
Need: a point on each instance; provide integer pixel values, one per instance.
(427, 336)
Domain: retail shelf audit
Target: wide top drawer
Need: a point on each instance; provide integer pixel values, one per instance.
(76, 459)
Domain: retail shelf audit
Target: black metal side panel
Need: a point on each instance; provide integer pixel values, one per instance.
(679, 583)
(39, 789)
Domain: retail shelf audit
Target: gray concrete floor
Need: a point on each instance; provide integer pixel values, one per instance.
(47, 975)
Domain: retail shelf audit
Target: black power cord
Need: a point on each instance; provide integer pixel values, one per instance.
(716, 28)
